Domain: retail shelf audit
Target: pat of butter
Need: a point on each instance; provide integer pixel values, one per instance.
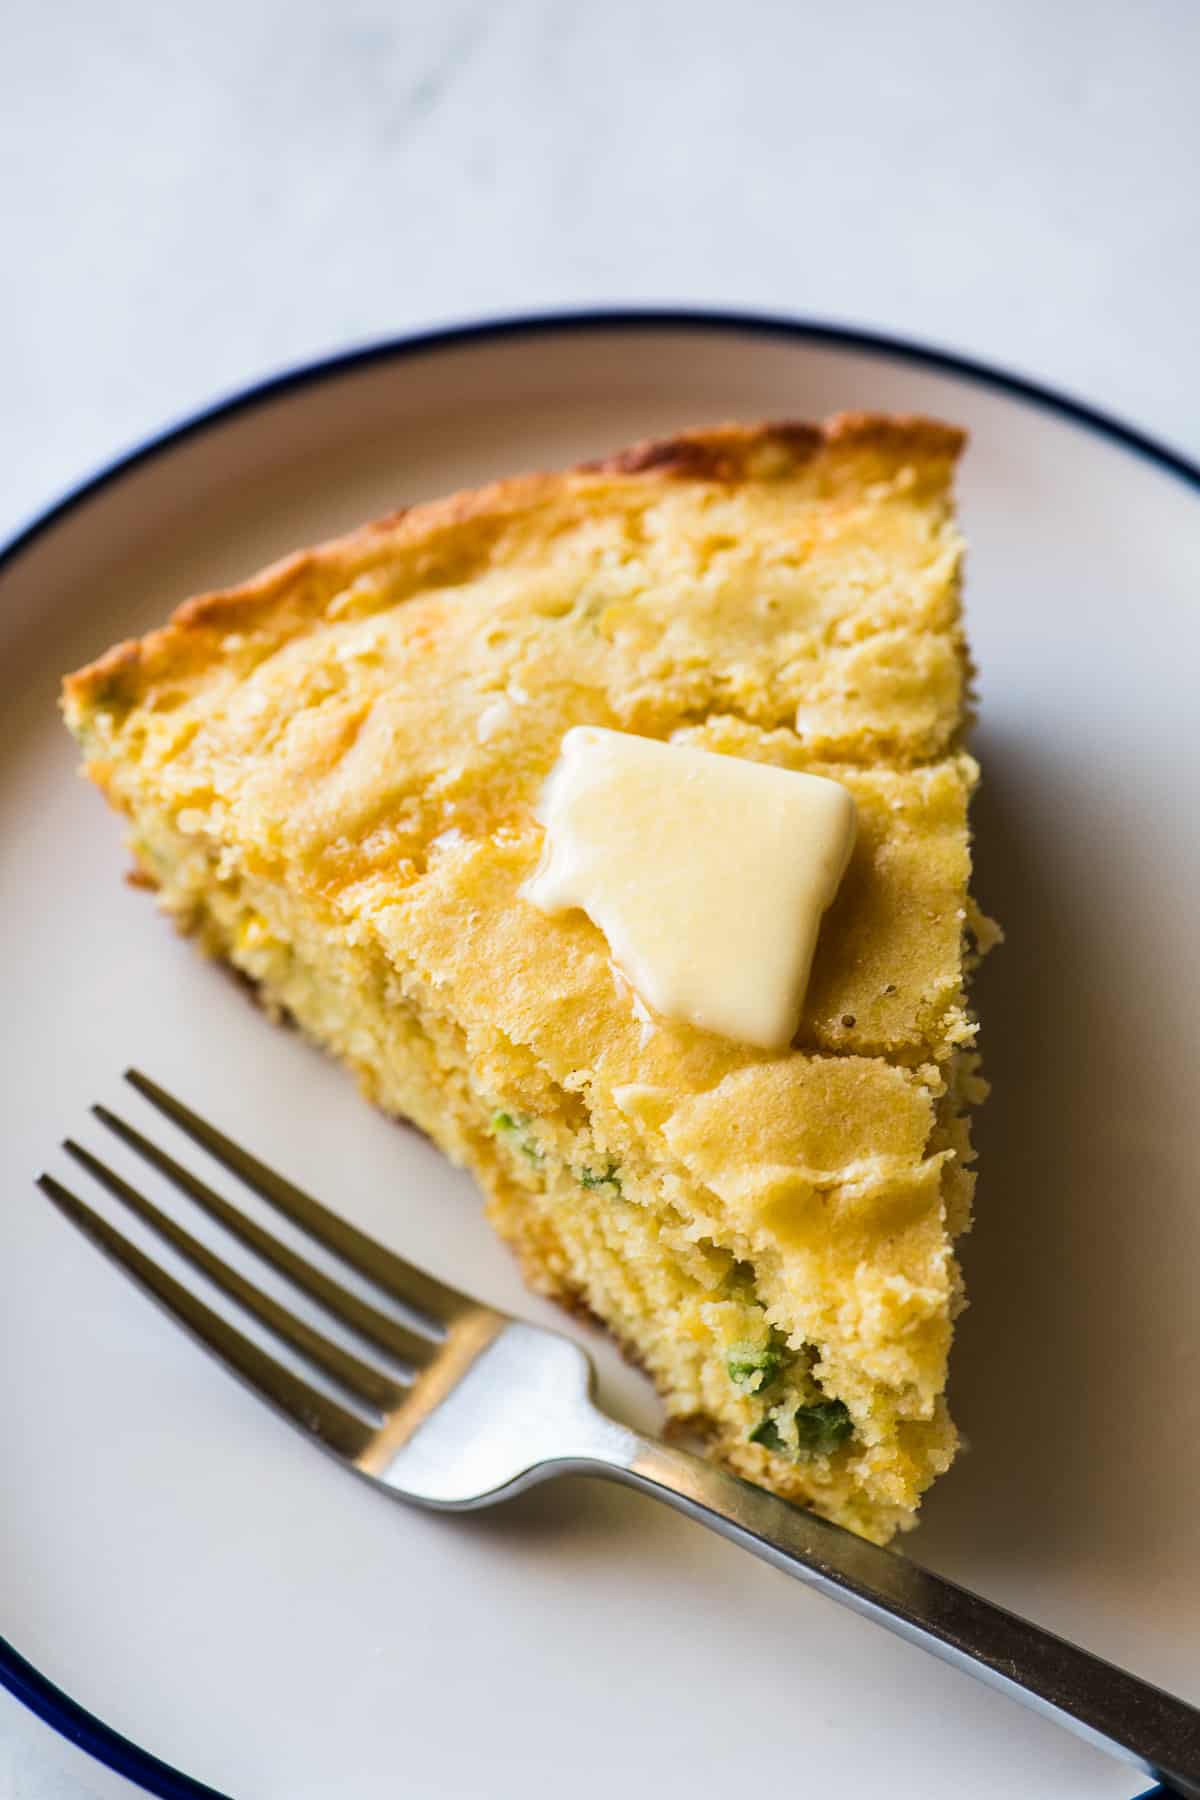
(707, 874)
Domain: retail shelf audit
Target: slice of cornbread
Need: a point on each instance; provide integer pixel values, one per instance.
(330, 774)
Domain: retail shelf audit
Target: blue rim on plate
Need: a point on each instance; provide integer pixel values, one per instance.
(27, 1683)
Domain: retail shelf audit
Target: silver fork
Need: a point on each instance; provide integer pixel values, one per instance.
(493, 1404)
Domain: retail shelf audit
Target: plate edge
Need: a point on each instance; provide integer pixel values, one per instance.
(26, 1683)
(497, 328)
(91, 1735)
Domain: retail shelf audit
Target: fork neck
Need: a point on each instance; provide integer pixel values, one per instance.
(1107, 1707)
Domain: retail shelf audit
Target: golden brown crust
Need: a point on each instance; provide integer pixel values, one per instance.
(331, 771)
(727, 454)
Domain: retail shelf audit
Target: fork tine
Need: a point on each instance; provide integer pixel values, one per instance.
(368, 1383)
(368, 1321)
(315, 1413)
(437, 1302)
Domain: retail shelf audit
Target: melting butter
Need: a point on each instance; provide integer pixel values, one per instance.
(707, 874)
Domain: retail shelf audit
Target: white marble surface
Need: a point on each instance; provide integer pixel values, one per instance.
(196, 195)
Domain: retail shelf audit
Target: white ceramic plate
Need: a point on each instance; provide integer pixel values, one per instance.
(189, 1571)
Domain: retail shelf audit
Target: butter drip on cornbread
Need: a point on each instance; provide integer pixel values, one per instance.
(331, 774)
(708, 875)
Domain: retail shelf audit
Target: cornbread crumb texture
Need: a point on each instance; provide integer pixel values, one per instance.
(354, 709)
(332, 773)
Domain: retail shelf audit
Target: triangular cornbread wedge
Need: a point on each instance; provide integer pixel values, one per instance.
(330, 775)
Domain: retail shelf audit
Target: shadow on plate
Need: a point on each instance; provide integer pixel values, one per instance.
(1069, 1369)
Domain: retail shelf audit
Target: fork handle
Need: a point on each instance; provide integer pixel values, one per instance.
(1106, 1706)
